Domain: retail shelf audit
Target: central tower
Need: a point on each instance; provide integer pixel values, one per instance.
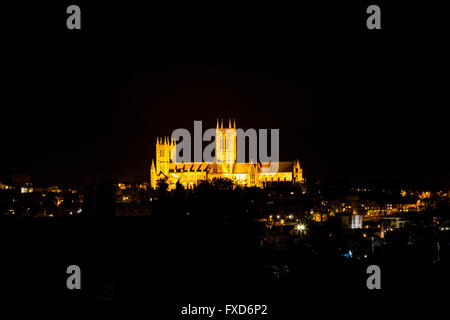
(226, 145)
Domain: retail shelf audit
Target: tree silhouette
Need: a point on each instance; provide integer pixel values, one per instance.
(105, 201)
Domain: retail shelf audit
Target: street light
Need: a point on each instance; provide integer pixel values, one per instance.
(300, 229)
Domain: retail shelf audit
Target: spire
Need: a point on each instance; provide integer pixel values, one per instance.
(234, 123)
(221, 123)
(217, 123)
(157, 141)
(153, 165)
(229, 123)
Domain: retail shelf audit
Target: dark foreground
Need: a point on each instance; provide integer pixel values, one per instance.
(138, 263)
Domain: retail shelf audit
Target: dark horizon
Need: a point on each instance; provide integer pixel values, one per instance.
(351, 105)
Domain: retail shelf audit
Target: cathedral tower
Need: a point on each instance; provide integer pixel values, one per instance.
(165, 147)
(226, 145)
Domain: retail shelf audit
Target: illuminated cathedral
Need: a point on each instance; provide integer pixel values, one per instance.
(225, 165)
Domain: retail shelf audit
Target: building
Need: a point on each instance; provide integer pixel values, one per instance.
(225, 166)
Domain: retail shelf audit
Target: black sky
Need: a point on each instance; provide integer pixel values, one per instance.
(351, 104)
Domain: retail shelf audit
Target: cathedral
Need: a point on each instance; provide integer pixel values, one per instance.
(225, 166)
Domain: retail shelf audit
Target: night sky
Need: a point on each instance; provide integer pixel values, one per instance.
(352, 104)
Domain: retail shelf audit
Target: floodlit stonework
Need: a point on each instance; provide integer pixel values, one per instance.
(225, 166)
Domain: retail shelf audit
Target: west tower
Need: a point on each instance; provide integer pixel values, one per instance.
(165, 148)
